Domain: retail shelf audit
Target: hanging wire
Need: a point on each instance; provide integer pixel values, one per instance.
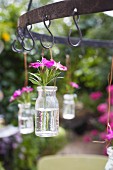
(29, 5)
(79, 31)
(109, 96)
(26, 72)
(47, 27)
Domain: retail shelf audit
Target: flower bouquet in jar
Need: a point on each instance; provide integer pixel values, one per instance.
(47, 107)
(25, 115)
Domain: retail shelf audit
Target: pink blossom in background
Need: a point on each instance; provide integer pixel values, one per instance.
(96, 95)
(15, 95)
(103, 119)
(47, 63)
(110, 88)
(87, 138)
(102, 108)
(36, 65)
(94, 132)
(102, 135)
(11, 99)
(27, 89)
(75, 85)
(111, 124)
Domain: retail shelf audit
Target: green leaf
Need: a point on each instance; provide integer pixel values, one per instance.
(36, 76)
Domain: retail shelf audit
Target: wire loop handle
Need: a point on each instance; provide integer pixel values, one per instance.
(47, 27)
(79, 31)
(20, 37)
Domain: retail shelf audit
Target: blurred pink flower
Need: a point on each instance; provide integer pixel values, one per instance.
(110, 88)
(103, 119)
(27, 89)
(75, 85)
(17, 93)
(102, 135)
(111, 124)
(96, 95)
(109, 136)
(102, 107)
(87, 138)
(94, 132)
(36, 65)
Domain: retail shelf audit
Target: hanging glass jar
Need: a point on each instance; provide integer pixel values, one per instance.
(25, 118)
(68, 106)
(109, 164)
(47, 112)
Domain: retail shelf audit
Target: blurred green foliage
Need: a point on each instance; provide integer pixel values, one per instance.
(23, 152)
(89, 66)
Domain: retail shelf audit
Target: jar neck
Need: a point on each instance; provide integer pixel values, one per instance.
(24, 105)
(47, 90)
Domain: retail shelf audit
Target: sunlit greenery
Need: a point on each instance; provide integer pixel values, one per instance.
(89, 65)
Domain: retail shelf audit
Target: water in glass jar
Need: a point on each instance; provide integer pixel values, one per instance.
(26, 125)
(68, 111)
(46, 122)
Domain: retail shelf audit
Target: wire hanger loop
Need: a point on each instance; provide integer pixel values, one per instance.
(19, 38)
(78, 29)
(47, 27)
(28, 33)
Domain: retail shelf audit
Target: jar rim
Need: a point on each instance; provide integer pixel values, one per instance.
(49, 88)
(24, 104)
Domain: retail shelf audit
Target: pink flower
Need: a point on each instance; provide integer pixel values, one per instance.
(17, 93)
(27, 89)
(87, 138)
(75, 85)
(35, 65)
(103, 118)
(102, 135)
(102, 107)
(110, 88)
(94, 132)
(59, 66)
(96, 95)
(11, 99)
(109, 136)
(47, 63)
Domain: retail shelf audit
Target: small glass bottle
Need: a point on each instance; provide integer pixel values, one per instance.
(109, 164)
(68, 106)
(47, 112)
(25, 118)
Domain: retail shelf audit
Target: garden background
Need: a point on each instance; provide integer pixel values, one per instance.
(89, 68)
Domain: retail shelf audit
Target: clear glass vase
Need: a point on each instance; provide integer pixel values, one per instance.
(25, 118)
(109, 164)
(47, 112)
(68, 106)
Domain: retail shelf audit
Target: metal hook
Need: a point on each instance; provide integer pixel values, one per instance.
(28, 33)
(79, 31)
(47, 27)
(20, 40)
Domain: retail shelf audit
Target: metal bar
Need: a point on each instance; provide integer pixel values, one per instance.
(64, 9)
(64, 40)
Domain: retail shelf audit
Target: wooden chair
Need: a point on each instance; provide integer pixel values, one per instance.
(72, 162)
